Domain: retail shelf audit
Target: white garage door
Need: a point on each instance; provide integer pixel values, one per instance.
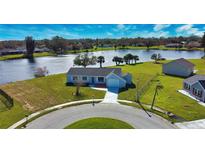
(113, 83)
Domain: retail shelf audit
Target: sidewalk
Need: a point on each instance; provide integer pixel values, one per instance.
(197, 124)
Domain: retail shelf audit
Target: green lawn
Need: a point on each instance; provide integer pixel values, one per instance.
(37, 94)
(99, 123)
(168, 98)
(2, 104)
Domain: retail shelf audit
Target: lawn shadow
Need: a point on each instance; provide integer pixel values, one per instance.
(176, 76)
(131, 86)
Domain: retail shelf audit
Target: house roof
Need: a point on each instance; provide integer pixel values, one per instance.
(182, 62)
(202, 82)
(93, 71)
(195, 78)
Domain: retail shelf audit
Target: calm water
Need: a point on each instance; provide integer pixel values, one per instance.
(21, 69)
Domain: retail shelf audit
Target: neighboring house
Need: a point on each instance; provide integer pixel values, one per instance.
(179, 67)
(174, 45)
(195, 86)
(107, 77)
(193, 44)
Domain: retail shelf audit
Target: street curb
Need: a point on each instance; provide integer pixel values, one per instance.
(33, 115)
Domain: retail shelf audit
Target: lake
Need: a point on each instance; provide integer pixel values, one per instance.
(22, 69)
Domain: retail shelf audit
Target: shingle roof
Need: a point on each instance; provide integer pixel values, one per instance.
(93, 71)
(183, 62)
(202, 82)
(195, 78)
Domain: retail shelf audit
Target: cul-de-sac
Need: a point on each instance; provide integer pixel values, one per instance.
(98, 76)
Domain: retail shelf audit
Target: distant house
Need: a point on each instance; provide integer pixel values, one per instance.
(195, 86)
(179, 67)
(174, 45)
(106, 77)
(44, 49)
(193, 44)
(7, 51)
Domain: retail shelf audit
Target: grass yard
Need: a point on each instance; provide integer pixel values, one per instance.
(99, 123)
(37, 94)
(168, 98)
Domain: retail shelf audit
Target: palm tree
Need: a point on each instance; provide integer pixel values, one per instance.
(135, 58)
(100, 60)
(127, 58)
(117, 60)
(158, 87)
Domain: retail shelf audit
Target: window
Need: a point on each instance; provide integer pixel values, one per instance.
(186, 86)
(75, 78)
(200, 93)
(100, 79)
(197, 92)
(84, 78)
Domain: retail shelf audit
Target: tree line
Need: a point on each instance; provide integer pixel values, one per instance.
(59, 44)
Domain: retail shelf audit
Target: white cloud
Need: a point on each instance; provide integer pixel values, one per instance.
(109, 34)
(189, 30)
(184, 28)
(147, 34)
(159, 27)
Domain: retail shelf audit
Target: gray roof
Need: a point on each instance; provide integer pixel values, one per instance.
(182, 62)
(202, 82)
(93, 71)
(195, 78)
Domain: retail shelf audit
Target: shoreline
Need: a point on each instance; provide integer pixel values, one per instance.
(45, 54)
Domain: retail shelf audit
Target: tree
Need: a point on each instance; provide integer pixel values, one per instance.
(148, 44)
(84, 60)
(127, 58)
(115, 46)
(117, 60)
(156, 57)
(30, 46)
(203, 43)
(100, 60)
(158, 87)
(58, 44)
(135, 58)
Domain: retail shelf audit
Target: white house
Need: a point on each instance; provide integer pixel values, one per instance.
(105, 77)
(179, 67)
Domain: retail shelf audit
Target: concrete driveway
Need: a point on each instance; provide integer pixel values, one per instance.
(111, 95)
(63, 117)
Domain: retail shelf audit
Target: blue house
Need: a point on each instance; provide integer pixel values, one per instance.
(104, 77)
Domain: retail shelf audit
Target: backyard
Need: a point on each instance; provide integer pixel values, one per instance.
(168, 98)
(37, 94)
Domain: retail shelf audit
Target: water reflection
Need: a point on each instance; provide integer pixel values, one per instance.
(21, 69)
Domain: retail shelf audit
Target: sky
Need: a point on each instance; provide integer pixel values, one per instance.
(76, 31)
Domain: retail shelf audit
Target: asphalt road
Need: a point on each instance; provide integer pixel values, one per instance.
(135, 117)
